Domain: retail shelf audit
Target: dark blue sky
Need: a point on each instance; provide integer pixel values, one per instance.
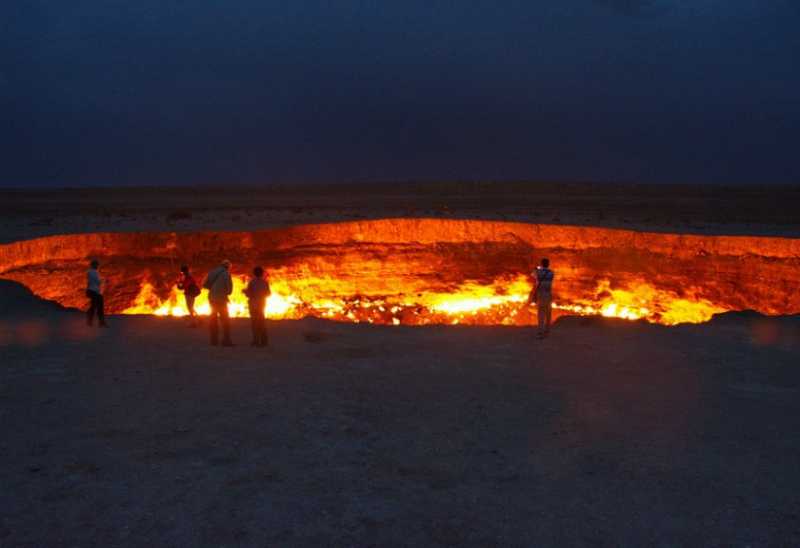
(198, 91)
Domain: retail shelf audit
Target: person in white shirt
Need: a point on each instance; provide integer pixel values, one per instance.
(94, 291)
(542, 296)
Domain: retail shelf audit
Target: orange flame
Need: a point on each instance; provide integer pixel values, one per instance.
(147, 302)
(503, 302)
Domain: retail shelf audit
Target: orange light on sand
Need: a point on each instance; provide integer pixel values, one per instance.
(501, 303)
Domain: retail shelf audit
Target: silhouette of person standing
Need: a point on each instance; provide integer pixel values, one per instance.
(188, 285)
(220, 286)
(257, 292)
(94, 291)
(542, 295)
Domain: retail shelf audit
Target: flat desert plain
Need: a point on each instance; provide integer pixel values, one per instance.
(608, 433)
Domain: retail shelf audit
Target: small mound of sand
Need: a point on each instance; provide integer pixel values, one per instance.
(17, 300)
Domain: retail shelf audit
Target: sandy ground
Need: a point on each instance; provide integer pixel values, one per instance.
(754, 210)
(606, 434)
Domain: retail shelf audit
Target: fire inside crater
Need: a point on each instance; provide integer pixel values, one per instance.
(427, 271)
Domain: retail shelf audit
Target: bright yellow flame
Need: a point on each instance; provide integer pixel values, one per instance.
(147, 302)
(471, 298)
(502, 302)
(643, 301)
(457, 304)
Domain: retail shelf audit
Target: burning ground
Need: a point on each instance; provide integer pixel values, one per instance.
(429, 271)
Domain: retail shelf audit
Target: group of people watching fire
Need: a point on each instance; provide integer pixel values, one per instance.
(219, 284)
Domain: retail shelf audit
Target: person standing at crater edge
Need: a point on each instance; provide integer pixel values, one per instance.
(542, 296)
(190, 290)
(94, 291)
(257, 292)
(219, 285)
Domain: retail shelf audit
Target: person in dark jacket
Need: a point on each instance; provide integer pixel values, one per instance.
(191, 290)
(257, 291)
(220, 286)
(94, 291)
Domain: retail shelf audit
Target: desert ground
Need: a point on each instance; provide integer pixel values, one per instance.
(754, 210)
(608, 433)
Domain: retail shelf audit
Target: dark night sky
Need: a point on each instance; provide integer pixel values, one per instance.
(196, 91)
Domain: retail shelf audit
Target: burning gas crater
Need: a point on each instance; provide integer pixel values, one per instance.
(427, 271)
